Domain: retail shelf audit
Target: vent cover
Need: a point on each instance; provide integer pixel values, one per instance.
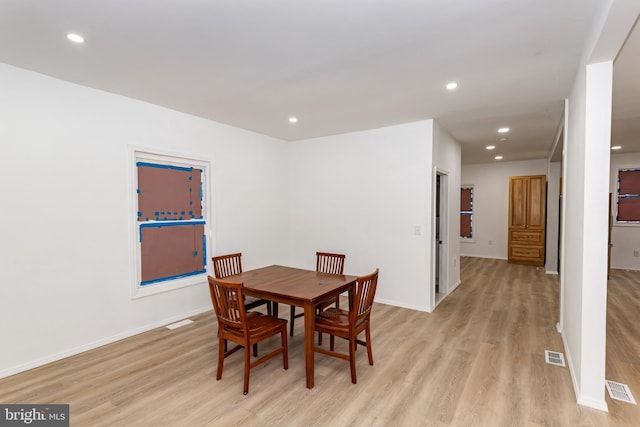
(620, 391)
(554, 358)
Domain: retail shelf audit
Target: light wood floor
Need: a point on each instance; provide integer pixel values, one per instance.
(478, 360)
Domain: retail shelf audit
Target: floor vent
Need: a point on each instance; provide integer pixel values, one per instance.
(620, 391)
(554, 358)
(180, 323)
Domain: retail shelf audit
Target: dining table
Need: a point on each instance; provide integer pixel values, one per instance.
(298, 287)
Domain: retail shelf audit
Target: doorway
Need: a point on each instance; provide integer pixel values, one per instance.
(441, 237)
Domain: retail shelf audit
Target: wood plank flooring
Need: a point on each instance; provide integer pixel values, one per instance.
(478, 360)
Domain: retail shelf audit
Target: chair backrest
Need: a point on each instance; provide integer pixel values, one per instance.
(329, 263)
(363, 297)
(228, 302)
(227, 265)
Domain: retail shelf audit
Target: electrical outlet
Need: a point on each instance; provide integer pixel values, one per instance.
(417, 230)
(636, 254)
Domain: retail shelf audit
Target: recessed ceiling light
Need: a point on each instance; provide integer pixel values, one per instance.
(498, 157)
(293, 120)
(616, 147)
(490, 147)
(504, 139)
(503, 130)
(452, 85)
(75, 38)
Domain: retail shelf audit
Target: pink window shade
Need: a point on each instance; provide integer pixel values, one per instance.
(168, 193)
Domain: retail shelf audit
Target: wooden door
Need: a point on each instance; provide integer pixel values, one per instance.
(527, 219)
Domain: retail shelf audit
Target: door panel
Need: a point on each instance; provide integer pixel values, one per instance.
(518, 202)
(536, 198)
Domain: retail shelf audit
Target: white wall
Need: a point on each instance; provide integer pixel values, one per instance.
(585, 256)
(586, 187)
(64, 281)
(491, 204)
(362, 194)
(447, 159)
(625, 238)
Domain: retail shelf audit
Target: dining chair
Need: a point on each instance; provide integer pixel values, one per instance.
(228, 265)
(325, 263)
(246, 331)
(349, 324)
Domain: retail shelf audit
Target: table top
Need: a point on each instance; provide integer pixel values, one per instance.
(293, 283)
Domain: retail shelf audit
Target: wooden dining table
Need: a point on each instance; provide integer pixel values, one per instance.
(299, 287)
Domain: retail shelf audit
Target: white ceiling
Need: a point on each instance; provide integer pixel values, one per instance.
(339, 66)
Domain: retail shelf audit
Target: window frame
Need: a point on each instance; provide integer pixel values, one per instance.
(625, 223)
(147, 155)
(470, 239)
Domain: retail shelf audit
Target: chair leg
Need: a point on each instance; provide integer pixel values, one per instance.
(332, 342)
(369, 352)
(352, 359)
(269, 310)
(285, 348)
(221, 351)
(247, 368)
(255, 350)
(292, 319)
(319, 333)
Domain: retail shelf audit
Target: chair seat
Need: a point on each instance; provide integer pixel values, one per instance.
(259, 325)
(336, 319)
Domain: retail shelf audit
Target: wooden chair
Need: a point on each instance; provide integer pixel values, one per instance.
(325, 263)
(246, 331)
(228, 265)
(348, 324)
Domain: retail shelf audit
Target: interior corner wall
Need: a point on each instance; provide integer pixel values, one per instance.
(447, 155)
(491, 204)
(363, 194)
(586, 185)
(584, 258)
(625, 239)
(65, 231)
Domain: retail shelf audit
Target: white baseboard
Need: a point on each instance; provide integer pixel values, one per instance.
(437, 302)
(625, 268)
(599, 404)
(402, 305)
(485, 256)
(552, 272)
(454, 287)
(99, 343)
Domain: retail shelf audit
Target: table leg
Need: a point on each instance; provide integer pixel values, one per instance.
(309, 319)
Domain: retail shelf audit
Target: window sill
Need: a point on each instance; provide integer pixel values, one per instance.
(168, 285)
(626, 224)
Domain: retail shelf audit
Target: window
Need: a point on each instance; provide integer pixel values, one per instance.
(628, 205)
(466, 212)
(169, 213)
